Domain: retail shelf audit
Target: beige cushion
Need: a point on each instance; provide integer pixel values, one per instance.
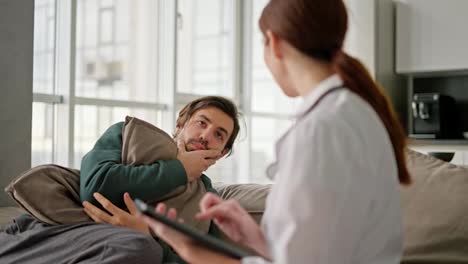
(50, 193)
(143, 143)
(435, 206)
(252, 197)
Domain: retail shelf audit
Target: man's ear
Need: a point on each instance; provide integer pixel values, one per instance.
(274, 43)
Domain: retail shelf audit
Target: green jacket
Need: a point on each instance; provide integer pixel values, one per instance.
(102, 171)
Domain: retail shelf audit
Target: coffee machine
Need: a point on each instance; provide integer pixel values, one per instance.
(435, 116)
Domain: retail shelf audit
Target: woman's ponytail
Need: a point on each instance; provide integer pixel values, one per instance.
(357, 79)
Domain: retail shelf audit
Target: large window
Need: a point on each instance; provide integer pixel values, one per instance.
(42, 133)
(270, 109)
(205, 47)
(44, 46)
(266, 96)
(116, 49)
(116, 67)
(43, 82)
(92, 120)
(97, 61)
(112, 70)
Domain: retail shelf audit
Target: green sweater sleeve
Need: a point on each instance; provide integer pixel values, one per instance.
(102, 171)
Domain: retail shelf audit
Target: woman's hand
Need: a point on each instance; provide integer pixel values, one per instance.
(183, 245)
(234, 221)
(116, 216)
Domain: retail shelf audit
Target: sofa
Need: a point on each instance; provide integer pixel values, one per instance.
(434, 209)
(7, 213)
(251, 196)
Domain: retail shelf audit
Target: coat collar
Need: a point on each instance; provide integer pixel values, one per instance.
(324, 86)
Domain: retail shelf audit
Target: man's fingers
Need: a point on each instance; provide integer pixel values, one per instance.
(95, 218)
(149, 221)
(209, 162)
(130, 204)
(97, 214)
(110, 207)
(208, 154)
(171, 213)
(153, 224)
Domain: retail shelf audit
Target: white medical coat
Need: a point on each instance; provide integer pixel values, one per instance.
(336, 194)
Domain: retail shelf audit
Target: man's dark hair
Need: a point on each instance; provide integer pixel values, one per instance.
(221, 103)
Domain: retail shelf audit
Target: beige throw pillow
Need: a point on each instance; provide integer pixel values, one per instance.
(50, 193)
(435, 206)
(144, 144)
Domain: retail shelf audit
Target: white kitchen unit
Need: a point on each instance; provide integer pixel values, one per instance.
(461, 151)
(431, 36)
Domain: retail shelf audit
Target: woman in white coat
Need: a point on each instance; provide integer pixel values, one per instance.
(337, 170)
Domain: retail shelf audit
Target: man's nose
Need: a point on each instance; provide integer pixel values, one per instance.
(206, 135)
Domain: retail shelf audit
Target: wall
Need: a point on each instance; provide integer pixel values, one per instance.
(371, 38)
(394, 85)
(16, 66)
(360, 39)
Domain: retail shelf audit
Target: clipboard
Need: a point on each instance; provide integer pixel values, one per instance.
(206, 240)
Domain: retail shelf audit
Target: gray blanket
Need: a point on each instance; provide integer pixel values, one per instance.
(27, 240)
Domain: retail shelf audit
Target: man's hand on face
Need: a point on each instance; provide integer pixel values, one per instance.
(196, 162)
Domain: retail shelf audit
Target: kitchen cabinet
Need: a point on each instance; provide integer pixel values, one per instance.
(431, 36)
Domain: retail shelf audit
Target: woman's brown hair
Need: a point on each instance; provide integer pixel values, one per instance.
(317, 28)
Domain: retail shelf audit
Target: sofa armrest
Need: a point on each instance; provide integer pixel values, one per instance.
(252, 197)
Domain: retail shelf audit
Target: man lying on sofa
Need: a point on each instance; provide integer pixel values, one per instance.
(138, 159)
(205, 131)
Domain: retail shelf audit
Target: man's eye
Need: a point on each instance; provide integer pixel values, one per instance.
(201, 123)
(219, 135)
